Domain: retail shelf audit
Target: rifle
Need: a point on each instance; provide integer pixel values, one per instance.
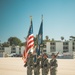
(56, 55)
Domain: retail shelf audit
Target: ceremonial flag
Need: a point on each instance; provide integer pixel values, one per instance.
(40, 34)
(29, 42)
(36, 53)
(40, 37)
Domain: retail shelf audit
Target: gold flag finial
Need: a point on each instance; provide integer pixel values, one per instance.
(31, 17)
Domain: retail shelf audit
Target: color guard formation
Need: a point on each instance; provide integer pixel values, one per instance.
(37, 62)
(42, 63)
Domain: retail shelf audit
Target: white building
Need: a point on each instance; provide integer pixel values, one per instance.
(11, 49)
(63, 47)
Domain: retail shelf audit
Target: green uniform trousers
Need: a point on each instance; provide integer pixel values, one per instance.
(45, 71)
(37, 70)
(29, 70)
(52, 72)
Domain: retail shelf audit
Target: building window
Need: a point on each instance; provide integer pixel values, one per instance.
(44, 46)
(65, 49)
(65, 43)
(73, 47)
(52, 49)
(44, 50)
(20, 50)
(13, 50)
(73, 43)
(52, 43)
(2, 49)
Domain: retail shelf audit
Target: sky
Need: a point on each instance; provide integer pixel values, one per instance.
(58, 18)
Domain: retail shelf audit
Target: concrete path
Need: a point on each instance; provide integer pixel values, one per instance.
(14, 66)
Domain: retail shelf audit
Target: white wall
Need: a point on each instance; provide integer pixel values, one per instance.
(74, 55)
(59, 47)
(17, 50)
(22, 49)
(7, 50)
(48, 47)
(70, 47)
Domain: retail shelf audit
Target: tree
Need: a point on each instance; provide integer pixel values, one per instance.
(23, 44)
(62, 38)
(14, 40)
(47, 38)
(5, 44)
(52, 39)
(73, 37)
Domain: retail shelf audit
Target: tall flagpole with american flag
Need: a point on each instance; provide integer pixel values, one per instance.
(29, 42)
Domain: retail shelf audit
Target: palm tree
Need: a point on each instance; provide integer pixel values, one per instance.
(52, 39)
(62, 38)
(72, 37)
(47, 37)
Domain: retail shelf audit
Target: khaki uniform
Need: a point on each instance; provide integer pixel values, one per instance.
(53, 66)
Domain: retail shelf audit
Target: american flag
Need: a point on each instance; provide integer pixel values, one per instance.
(29, 43)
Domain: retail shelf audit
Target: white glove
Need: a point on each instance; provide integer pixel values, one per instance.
(52, 67)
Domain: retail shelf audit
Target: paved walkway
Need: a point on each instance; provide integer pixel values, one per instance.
(14, 66)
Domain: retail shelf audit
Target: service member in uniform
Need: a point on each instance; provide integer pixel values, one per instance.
(29, 63)
(42, 60)
(37, 66)
(53, 64)
(45, 65)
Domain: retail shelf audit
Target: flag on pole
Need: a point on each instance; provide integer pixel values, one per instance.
(40, 37)
(40, 34)
(29, 42)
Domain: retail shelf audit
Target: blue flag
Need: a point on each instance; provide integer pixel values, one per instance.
(38, 50)
(40, 34)
(40, 37)
(38, 53)
(40, 40)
